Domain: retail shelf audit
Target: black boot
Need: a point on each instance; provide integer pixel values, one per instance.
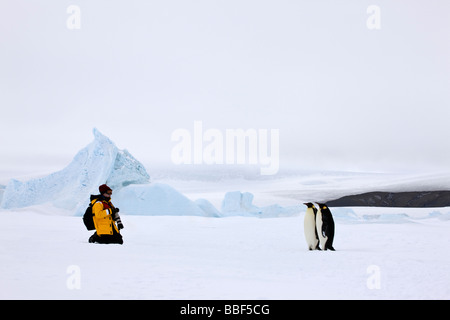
(93, 238)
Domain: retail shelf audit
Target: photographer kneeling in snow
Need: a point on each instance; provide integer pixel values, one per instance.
(105, 217)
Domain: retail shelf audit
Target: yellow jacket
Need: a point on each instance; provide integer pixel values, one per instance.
(103, 221)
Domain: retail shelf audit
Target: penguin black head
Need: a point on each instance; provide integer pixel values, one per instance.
(322, 206)
(309, 204)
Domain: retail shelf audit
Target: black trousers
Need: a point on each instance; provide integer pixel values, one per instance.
(107, 238)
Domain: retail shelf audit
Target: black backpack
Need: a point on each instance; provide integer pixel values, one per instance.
(88, 217)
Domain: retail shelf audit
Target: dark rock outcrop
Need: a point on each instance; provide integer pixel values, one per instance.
(417, 199)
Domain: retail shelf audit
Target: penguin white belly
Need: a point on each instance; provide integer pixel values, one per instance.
(309, 227)
(319, 222)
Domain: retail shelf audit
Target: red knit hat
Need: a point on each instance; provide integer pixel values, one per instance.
(104, 188)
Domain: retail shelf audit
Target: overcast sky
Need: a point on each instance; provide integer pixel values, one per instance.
(343, 97)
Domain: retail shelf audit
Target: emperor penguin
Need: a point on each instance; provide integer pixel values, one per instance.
(325, 227)
(309, 225)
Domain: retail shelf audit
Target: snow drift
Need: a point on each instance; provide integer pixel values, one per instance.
(99, 162)
(236, 203)
(157, 199)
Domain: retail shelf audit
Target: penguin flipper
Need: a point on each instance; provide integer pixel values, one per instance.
(325, 230)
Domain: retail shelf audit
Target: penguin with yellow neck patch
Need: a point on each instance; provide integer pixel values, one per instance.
(309, 225)
(325, 227)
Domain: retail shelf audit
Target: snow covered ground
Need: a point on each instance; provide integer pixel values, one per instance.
(45, 255)
(207, 234)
